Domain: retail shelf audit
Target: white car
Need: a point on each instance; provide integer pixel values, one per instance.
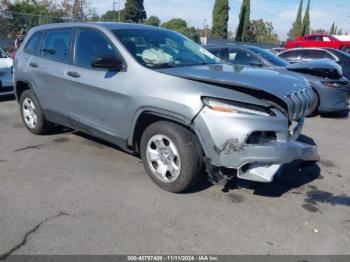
(6, 79)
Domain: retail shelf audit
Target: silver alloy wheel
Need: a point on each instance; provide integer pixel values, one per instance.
(29, 113)
(163, 158)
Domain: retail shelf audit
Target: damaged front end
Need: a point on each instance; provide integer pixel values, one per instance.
(248, 141)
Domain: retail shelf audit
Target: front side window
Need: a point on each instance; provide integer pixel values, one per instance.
(290, 55)
(56, 45)
(33, 44)
(91, 44)
(240, 57)
(161, 48)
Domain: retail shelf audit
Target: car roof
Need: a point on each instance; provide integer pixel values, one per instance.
(223, 45)
(317, 35)
(105, 25)
(308, 48)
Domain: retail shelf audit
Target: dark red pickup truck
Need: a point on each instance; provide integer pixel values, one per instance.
(319, 40)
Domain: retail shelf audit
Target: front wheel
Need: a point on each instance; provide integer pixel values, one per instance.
(171, 155)
(315, 104)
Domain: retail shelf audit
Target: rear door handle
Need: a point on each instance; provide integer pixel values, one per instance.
(35, 65)
(73, 74)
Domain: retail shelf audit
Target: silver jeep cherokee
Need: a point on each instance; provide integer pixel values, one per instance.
(158, 94)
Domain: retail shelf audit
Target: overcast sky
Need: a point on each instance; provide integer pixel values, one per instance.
(282, 13)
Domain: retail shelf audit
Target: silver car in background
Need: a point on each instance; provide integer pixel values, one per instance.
(158, 94)
(331, 89)
(6, 76)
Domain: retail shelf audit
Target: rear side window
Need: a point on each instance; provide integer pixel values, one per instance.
(33, 44)
(91, 43)
(313, 54)
(56, 45)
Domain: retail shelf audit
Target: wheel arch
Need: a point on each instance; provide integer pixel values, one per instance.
(22, 85)
(149, 115)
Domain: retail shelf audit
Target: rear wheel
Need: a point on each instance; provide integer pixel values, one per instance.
(32, 115)
(171, 155)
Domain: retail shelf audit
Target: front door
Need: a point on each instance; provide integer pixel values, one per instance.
(97, 97)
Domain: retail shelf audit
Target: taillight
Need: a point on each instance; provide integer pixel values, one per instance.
(335, 84)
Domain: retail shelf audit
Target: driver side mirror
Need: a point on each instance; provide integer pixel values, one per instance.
(108, 62)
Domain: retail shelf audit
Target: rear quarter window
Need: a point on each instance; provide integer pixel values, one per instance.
(33, 44)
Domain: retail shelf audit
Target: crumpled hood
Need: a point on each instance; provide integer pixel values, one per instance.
(325, 68)
(275, 82)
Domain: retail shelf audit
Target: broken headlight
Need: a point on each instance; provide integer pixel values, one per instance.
(229, 106)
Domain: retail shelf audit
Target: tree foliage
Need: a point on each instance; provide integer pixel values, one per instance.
(332, 31)
(153, 21)
(25, 14)
(39, 12)
(296, 30)
(180, 25)
(306, 21)
(260, 31)
(113, 16)
(220, 19)
(135, 11)
(175, 24)
(244, 21)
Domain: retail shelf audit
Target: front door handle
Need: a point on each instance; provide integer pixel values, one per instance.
(35, 65)
(73, 74)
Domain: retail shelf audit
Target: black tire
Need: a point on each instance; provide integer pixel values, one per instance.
(315, 104)
(42, 126)
(189, 150)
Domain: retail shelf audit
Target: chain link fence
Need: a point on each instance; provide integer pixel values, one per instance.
(13, 23)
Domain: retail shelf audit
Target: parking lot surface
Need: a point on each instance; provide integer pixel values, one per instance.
(71, 194)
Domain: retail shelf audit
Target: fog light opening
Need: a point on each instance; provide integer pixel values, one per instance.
(261, 137)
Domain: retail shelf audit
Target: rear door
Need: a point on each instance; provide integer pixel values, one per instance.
(47, 69)
(97, 97)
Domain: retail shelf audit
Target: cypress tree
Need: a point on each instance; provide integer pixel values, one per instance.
(134, 11)
(331, 32)
(297, 25)
(306, 21)
(220, 19)
(244, 22)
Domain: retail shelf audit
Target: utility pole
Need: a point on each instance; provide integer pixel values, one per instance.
(114, 3)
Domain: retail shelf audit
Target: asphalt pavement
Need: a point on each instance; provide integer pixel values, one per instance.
(67, 193)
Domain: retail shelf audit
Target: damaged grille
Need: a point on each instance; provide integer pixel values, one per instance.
(299, 103)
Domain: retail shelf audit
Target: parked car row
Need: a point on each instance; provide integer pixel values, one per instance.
(6, 84)
(330, 87)
(157, 94)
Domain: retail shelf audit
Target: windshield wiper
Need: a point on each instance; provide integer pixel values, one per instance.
(162, 65)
